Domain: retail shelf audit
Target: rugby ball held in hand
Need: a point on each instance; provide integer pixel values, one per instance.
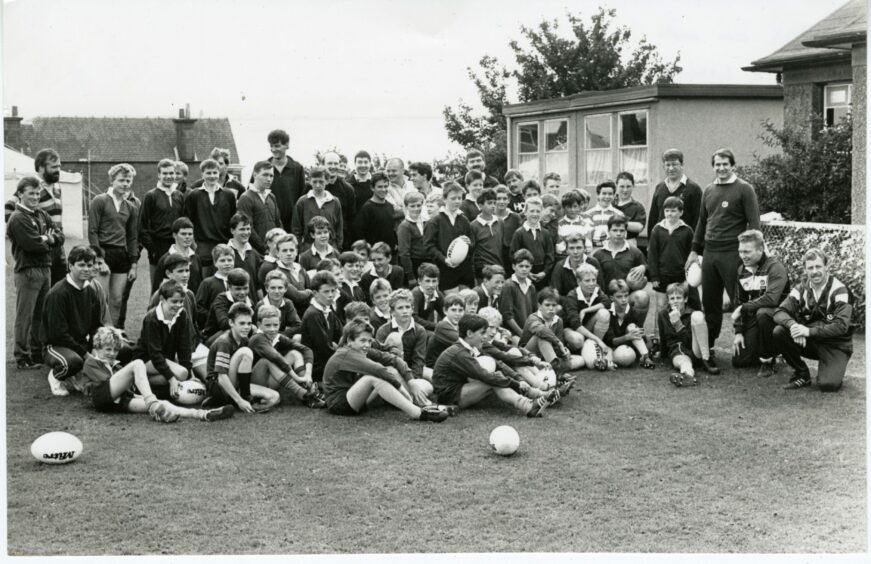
(694, 275)
(56, 448)
(189, 392)
(458, 250)
(636, 282)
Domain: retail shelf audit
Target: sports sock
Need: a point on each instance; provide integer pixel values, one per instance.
(290, 384)
(245, 384)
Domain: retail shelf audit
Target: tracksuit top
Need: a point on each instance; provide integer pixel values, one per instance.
(828, 317)
(766, 287)
(26, 229)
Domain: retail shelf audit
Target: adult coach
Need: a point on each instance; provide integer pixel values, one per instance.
(814, 321)
(729, 207)
(342, 191)
(676, 184)
(475, 161)
(763, 282)
(288, 183)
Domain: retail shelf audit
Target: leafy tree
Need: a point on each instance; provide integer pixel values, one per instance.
(811, 179)
(597, 56)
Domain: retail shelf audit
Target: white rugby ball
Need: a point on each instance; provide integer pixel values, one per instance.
(189, 392)
(458, 250)
(488, 363)
(56, 448)
(504, 440)
(624, 356)
(590, 352)
(694, 275)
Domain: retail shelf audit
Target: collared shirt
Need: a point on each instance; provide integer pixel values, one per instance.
(117, 200)
(665, 226)
(523, 286)
(472, 349)
(325, 198)
(233, 245)
(485, 223)
(395, 326)
(614, 309)
(318, 253)
(162, 317)
(229, 295)
(452, 216)
(490, 299)
(381, 314)
(265, 301)
(263, 195)
(223, 278)
(325, 310)
(396, 194)
(25, 208)
(211, 192)
(615, 252)
(293, 270)
(732, 178)
(534, 229)
(358, 178)
(189, 252)
(547, 323)
(671, 187)
(419, 222)
(167, 191)
(111, 366)
(73, 284)
(586, 300)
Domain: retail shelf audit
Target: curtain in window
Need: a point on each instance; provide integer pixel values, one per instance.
(528, 165)
(635, 161)
(598, 166)
(558, 163)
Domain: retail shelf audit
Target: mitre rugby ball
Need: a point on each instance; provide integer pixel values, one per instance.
(488, 363)
(624, 356)
(591, 352)
(504, 440)
(56, 448)
(694, 275)
(458, 250)
(189, 392)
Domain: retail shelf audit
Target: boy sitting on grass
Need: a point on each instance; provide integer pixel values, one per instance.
(459, 379)
(280, 363)
(110, 387)
(517, 301)
(428, 300)
(542, 334)
(624, 336)
(684, 335)
(215, 285)
(289, 323)
(218, 319)
(586, 314)
(165, 341)
(402, 334)
(321, 328)
(516, 360)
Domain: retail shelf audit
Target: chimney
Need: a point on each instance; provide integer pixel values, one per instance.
(184, 135)
(12, 130)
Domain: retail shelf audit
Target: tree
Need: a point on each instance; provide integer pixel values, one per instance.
(596, 57)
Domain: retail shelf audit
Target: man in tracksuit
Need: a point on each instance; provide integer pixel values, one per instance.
(729, 207)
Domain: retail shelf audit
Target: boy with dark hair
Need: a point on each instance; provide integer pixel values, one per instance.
(428, 299)
(381, 268)
(209, 208)
(492, 281)
(486, 234)
(622, 331)
(165, 343)
(518, 294)
(684, 336)
(550, 215)
(218, 319)
(290, 323)
(513, 181)
(440, 232)
(161, 207)
(349, 284)
(223, 258)
(318, 202)
(360, 178)
(260, 205)
(288, 183)
(563, 279)
(344, 194)
(676, 184)
(183, 239)
(321, 327)
(619, 261)
(511, 222)
(474, 185)
(459, 379)
(632, 209)
(408, 338)
(244, 255)
(542, 335)
(572, 222)
(374, 220)
(226, 180)
(603, 211)
(538, 241)
(319, 231)
(475, 161)
(412, 252)
(530, 189)
(447, 330)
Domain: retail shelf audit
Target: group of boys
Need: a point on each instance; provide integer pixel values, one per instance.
(252, 287)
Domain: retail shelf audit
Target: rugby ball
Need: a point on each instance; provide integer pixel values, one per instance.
(458, 250)
(624, 356)
(189, 392)
(636, 282)
(504, 440)
(591, 352)
(488, 363)
(56, 448)
(694, 275)
(514, 352)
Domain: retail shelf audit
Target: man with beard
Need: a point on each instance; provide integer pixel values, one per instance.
(342, 191)
(475, 161)
(226, 180)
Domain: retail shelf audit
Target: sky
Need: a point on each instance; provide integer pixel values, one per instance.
(372, 75)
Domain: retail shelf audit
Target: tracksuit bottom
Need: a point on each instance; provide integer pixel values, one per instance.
(833, 360)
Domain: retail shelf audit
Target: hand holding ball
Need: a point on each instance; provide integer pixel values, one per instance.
(458, 250)
(694, 275)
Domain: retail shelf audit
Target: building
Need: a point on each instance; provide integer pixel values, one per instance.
(592, 136)
(92, 145)
(823, 72)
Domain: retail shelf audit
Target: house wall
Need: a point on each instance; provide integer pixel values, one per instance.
(860, 103)
(803, 92)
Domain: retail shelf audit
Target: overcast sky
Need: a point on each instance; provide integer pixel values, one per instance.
(366, 74)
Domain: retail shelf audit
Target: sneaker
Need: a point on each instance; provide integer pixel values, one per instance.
(26, 363)
(682, 380)
(646, 362)
(538, 407)
(314, 401)
(260, 407)
(450, 409)
(565, 387)
(432, 413)
(654, 347)
(799, 381)
(57, 387)
(161, 413)
(766, 370)
(710, 366)
(219, 413)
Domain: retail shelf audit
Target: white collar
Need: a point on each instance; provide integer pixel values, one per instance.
(263, 195)
(583, 298)
(417, 221)
(265, 301)
(327, 197)
(732, 178)
(363, 179)
(568, 265)
(486, 223)
(529, 227)
(523, 286)
(471, 349)
(319, 307)
(673, 187)
(167, 191)
(162, 317)
(380, 313)
(451, 216)
(427, 299)
(545, 321)
(395, 325)
(614, 308)
(663, 224)
(173, 249)
(614, 252)
(116, 196)
(270, 258)
(73, 284)
(232, 301)
(316, 253)
(351, 284)
(213, 191)
(25, 208)
(220, 276)
(232, 244)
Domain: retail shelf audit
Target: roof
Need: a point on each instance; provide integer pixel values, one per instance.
(843, 27)
(636, 94)
(112, 139)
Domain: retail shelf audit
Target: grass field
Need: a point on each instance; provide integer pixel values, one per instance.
(626, 464)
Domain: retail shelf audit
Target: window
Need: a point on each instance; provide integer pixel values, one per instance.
(633, 144)
(527, 150)
(837, 103)
(556, 148)
(597, 143)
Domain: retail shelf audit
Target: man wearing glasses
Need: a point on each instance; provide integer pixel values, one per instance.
(677, 184)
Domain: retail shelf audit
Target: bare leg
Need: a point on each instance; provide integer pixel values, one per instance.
(359, 393)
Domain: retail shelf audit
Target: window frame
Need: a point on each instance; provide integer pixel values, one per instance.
(609, 149)
(826, 105)
(542, 163)
(646, 146)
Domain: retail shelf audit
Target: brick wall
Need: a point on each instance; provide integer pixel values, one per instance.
(860, 105)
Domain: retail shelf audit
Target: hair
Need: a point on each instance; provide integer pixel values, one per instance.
(172, 261)
(512, 173)
(181, 167)
(570, 198)
(815, 253)
(287, 238)
(381, 248)
(274, 275)
(585, 196)
(672, 155)
(219, 250)
(627, 175)
(471, 322)
(357, 309)
(220, 153)
(238, 219)
(99, 253)
(752, 236)
(676, 288)
(275, 233)
(452, 299)
(121, 169)
(261, 165)
(574, 238)
(414, 197)
(379, 176)
(27, 182)
(165, 163)
(108, 337)
(267, 311)
(617, 220)
(487, 195)
(724, 153)
(474, 175)
(363, 155)
(551, 176)
(238, 309)
(278, 136)
(361, 246)
(169, 288)
(470, 297)
(379, 285)
(317, 172)
(423, 169)
(328, 264)
(673, 203)
(349, 257)
(549, 201)
(547, 294)
(473, 153)
(319, 222)
(531, 183)
(502, 189)
(491, 270)
(617, 285)
(606, 184)
(534, 200)
(451, 187)
(439, 198)
(81, 253)
(238, 277)
(491, 315)
(400, 295)
(209, 164)
(181, 223)
(427, 270)
(353, 329)
(323, 278)
(44, 157)
(521, 255)
(584, 269)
